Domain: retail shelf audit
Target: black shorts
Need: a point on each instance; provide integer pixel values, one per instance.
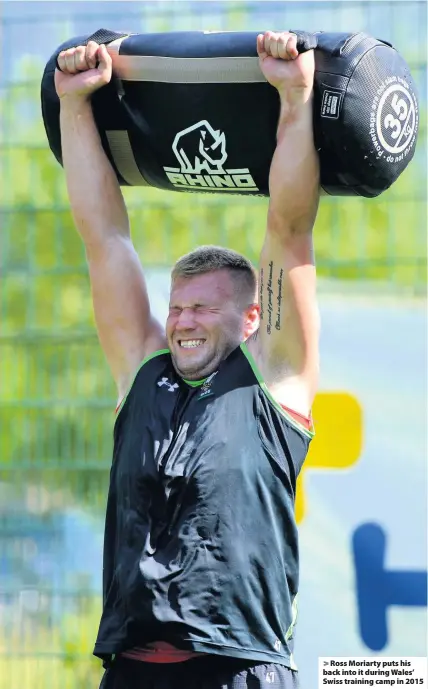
(210, 672)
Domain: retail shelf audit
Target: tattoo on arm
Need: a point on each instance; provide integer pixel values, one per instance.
(270, 293)
(269, 286)
(279, 301)
(261, 294)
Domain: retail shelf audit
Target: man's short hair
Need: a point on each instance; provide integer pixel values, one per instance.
(207, 259)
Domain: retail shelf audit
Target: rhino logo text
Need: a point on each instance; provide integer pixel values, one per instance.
(201, 153)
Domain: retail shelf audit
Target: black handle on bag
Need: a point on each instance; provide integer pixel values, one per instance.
(305, 40)
(100, 36)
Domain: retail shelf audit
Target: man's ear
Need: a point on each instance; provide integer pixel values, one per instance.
(252, 320)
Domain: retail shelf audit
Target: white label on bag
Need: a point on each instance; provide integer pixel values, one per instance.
(331, 104)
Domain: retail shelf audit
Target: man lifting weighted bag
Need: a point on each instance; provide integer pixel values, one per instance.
(180, 113)
(213, 422)
(213, 419)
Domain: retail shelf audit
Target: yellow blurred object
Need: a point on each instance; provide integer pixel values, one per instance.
(338, 441)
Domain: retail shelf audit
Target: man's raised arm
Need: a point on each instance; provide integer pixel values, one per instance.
(286, 344)
(126, 328)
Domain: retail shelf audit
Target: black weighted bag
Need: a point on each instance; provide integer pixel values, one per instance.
(191, 111)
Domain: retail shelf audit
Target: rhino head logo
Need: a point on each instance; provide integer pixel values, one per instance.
(200, 148)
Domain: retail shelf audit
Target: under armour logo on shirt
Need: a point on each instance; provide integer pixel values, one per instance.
(171, 386)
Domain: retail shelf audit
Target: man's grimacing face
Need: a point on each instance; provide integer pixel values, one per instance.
(206, 322)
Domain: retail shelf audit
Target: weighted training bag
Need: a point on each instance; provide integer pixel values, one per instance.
(191, 111)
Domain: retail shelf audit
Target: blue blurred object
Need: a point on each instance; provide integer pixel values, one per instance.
(377, 588)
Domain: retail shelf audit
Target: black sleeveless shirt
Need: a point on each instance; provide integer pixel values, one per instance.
(201, 547)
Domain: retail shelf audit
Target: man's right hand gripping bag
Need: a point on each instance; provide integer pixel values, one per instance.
(191, 111)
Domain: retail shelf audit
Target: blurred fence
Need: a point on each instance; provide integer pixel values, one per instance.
(56, 397)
